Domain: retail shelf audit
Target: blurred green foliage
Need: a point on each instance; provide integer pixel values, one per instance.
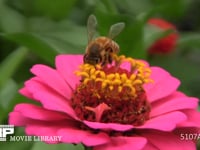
(33, 32)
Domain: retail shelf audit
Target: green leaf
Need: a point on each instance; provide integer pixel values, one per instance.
(131, 39)
(136, 46)
(35, 44)
(43, 146)
(62, 45)
(136, 6)
(10, 64)
(63, 36)
(71, 39)
(11, 20)
(109, 5)
(21, 145)
(171, 8)
(58, 9)
(7, 93)
(189, 40)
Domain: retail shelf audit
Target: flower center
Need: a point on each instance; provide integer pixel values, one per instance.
(113, 93)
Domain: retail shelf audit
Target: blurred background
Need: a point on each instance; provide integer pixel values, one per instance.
(34, 32)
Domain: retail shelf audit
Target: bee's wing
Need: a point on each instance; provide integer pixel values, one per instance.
(91, 27)
(115, 29)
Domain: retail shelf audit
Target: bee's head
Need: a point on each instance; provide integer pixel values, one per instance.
(91, 60)
(93, 54)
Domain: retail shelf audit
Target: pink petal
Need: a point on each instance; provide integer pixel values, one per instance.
(150, 146)
(188, 133)
(168, 141)
(40, 128)
(24, 91)
(67, 65)
(126, 65)
(44, 131)
(172, 103)
(123, 143)
(108, 126)
(49, 98)
(76, 136)
(52, 78)
(166, 122)
(17, 119)
(39, 113)
(164, 84)
(193, 119)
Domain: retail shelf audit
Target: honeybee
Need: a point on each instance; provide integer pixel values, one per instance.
(101, 49)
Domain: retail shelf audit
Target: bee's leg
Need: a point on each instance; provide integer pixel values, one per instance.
(103, 63)
(105, 59)
(109, 58)
(109, 55)
(85, 58)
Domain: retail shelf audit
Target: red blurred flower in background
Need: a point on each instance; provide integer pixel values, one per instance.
(166, 44)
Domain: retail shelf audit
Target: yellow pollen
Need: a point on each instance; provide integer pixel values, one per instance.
(128, 81)
(119, 59)
(123, 80)
(119, 89)
(117, 76)
(102, 74)
(117, 82)
(83, 74)
(139, 75)
(147, 74)
(123, 77)
(110, 76)
(98, 72)
(148, 81)
(137, 82)
(140, 63)
(111, 87)
(93, 77)
(98, 80)
(86, 81)
(98, 66)
(132, 61)
(92, 71)
(133, 76)
(131, 88)
(105, 83)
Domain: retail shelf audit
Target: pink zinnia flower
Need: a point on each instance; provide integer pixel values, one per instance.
(126, 105)
(167, 44)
